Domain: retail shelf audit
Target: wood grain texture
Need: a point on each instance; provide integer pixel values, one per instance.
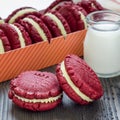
(107, 108)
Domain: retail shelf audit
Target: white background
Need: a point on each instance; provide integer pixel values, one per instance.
(7, 6)
(111, 4)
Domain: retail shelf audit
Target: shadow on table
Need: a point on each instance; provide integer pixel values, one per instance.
(67, 110)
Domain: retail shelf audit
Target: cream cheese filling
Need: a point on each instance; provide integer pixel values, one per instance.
(71, 84)
(58, 5)
(20, 13)
(1, 47)
(47, 100)
(83, 18)
(21, 38)
(58, 22)
(93, 5)
(37, 27)
(2, 21)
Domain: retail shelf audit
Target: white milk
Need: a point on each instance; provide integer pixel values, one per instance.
(102, 49)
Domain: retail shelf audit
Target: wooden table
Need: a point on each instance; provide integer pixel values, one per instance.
(106, 108)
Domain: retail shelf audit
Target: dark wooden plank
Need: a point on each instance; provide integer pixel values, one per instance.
(107, 108)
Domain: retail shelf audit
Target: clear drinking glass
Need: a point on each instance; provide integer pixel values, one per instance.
(102, 43)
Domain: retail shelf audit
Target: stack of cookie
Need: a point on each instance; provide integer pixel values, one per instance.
(26, 25)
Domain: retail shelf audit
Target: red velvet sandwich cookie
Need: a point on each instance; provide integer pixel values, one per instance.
(20, 13)
(4, 43)
(36, 28)
(78, 80)
(16, 34)
(35, 90)
(57, 3)
(74, 15)
(90, 5)
(56, 23)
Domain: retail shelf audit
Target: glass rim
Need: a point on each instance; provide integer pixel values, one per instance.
(89, 20)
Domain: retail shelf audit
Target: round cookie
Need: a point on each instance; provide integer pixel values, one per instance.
(56, 23)
(20, 13)
(78, 7)
(78, 80)
(35, 90)
(56, 4)
(90, 5)
(4, 43)
(16, 34)
(74, 15)
(36, 28)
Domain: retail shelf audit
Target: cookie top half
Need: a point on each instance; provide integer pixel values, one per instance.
(35, 84)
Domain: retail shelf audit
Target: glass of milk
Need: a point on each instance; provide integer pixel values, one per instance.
(102, 43)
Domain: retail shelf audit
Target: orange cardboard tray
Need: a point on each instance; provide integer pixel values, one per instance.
(40, 55)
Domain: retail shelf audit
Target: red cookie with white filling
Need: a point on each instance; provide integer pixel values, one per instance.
(36, 91)
(20, 13)
(36, 28)
(56, 4)
(78, 80)
(4, 43)
(90, 5)
(16, 34)
(56, 23)
(74, 15)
